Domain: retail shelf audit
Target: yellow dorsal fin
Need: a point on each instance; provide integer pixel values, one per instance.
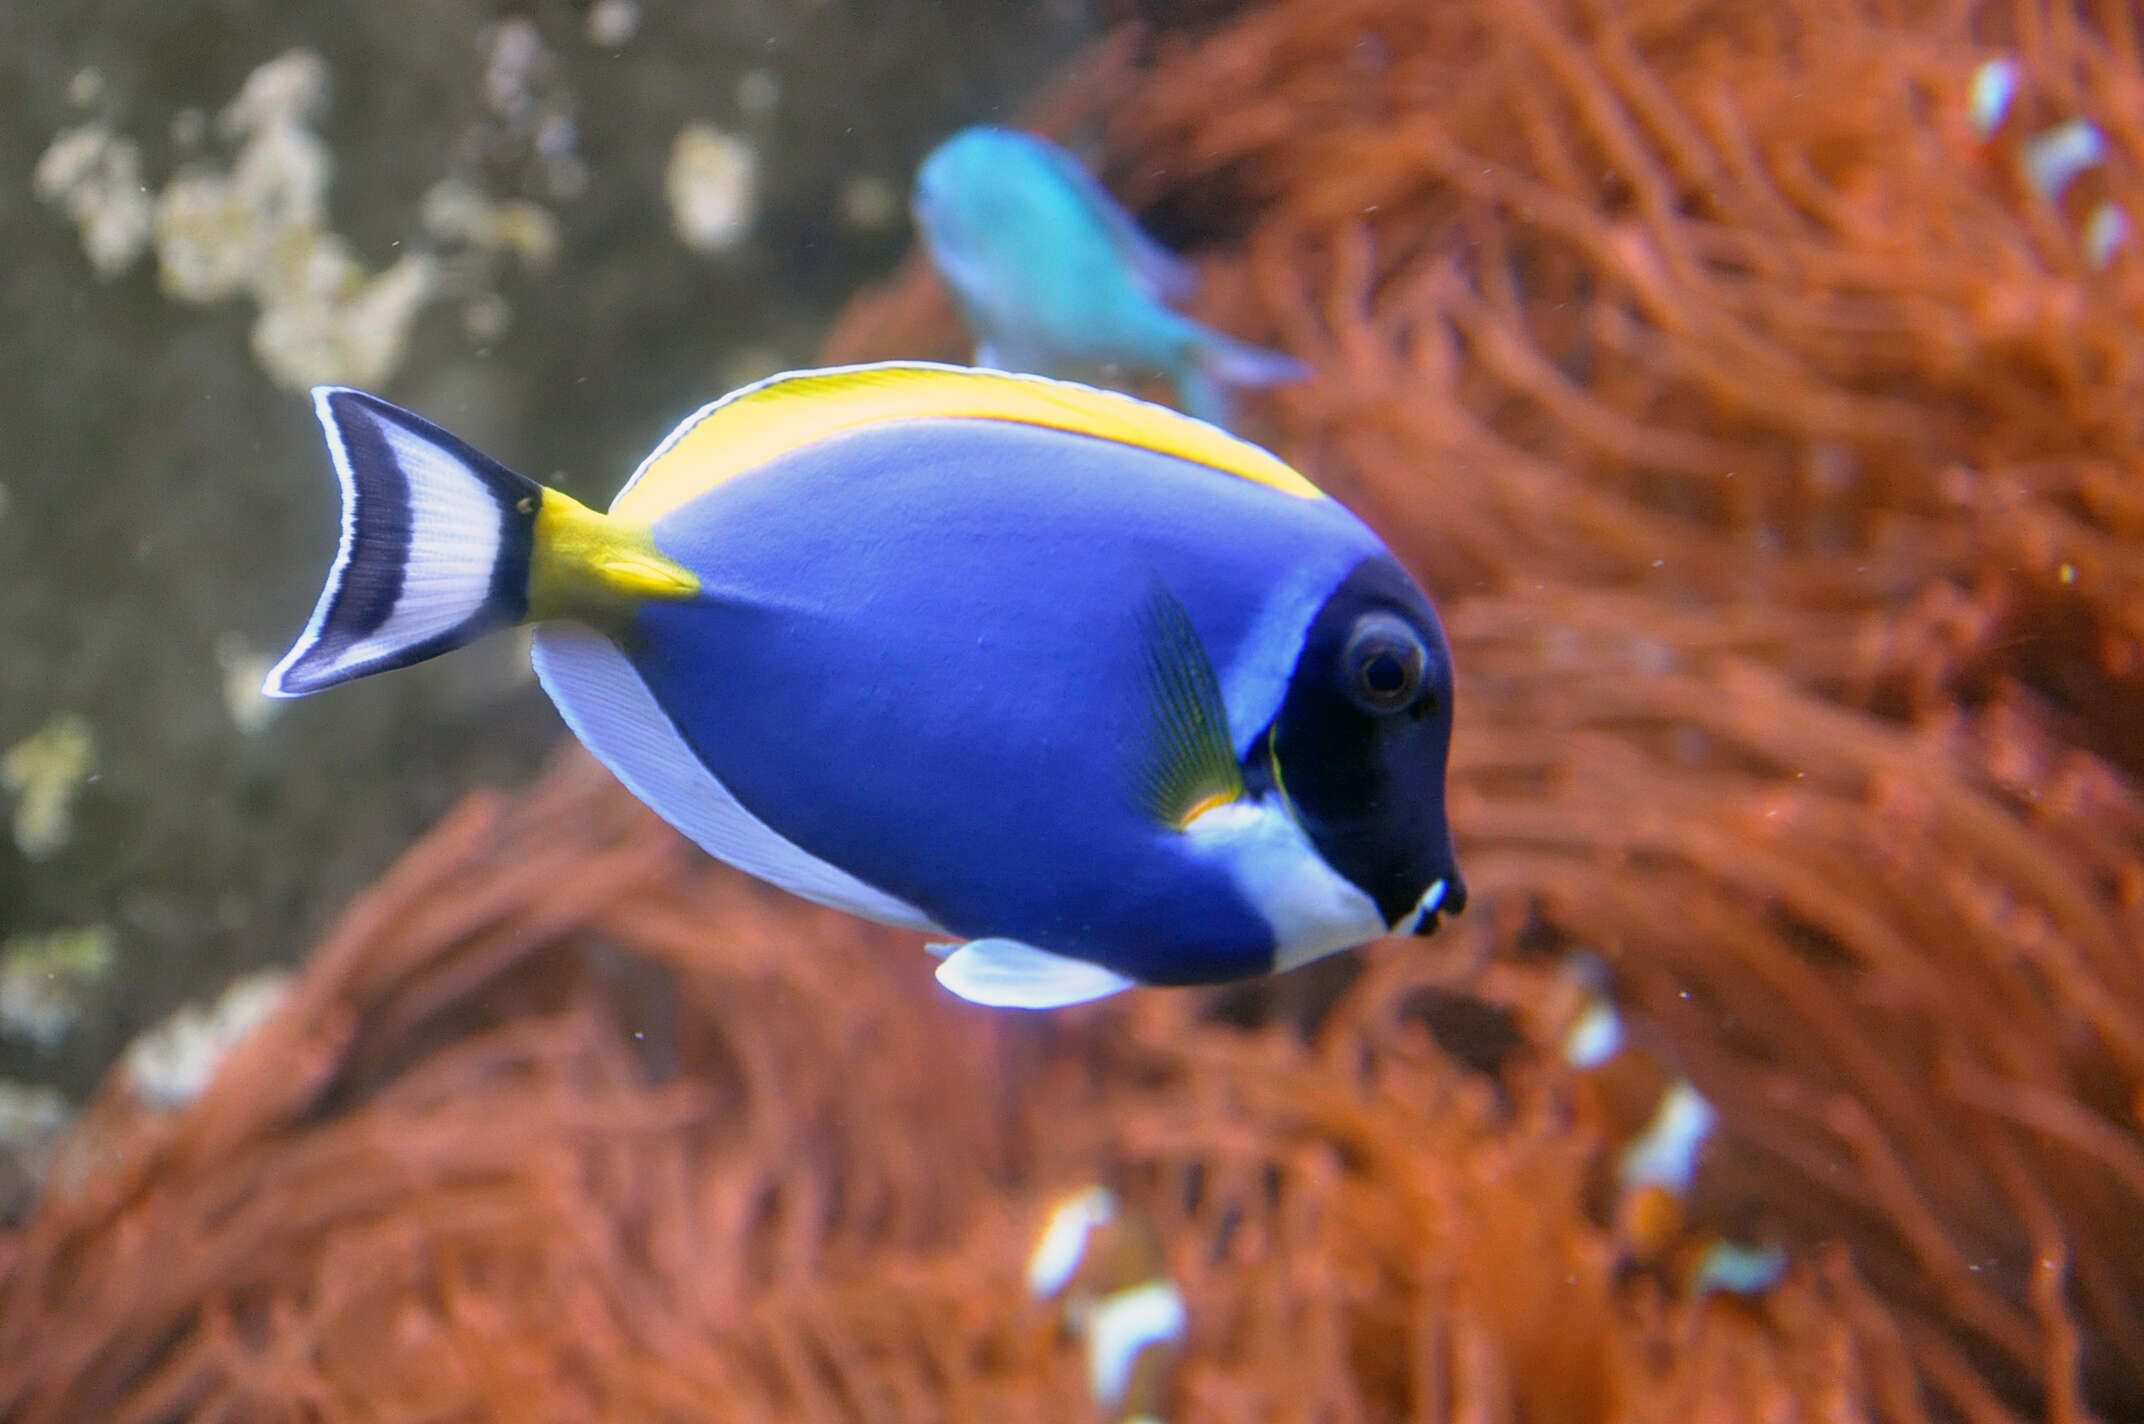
(750, 427)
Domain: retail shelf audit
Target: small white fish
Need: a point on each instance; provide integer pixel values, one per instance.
(1102, 1261)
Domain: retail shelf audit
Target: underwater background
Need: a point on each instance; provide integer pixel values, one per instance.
(168, 504)
(1755, 386)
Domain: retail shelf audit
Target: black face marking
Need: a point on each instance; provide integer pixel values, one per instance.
(1361, 740)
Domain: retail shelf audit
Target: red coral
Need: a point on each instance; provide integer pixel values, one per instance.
(1772, 456)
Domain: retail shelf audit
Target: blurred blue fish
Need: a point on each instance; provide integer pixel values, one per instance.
(1104, 693)
(1054, 277)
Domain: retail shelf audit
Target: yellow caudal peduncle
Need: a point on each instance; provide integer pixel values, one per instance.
(591, 566)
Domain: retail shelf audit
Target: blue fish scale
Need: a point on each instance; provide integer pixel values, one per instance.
(916, 658)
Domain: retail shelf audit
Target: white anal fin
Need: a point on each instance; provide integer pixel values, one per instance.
(612, 711)
(1007, 974)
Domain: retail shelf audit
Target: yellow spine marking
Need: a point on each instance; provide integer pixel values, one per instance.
(757, 424)
(1273, 760)
(590, 566)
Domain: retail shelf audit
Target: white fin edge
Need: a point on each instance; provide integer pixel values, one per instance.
(1738, 1269)
(611, 709)
(456, 505)
(1666, 1156)
(1595, 1038)
(1007, 974)
(1063, 1246)
(1122, 1326)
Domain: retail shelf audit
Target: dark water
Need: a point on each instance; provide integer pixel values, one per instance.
(168, 508)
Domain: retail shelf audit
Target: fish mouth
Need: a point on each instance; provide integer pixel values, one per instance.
(1446, 895)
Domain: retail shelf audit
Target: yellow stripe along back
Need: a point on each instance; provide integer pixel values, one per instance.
(744, 430)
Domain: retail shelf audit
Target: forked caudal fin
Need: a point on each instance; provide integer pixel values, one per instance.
(441, 544)
(436, 539)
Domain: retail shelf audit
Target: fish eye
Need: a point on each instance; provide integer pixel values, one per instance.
(1384, 663)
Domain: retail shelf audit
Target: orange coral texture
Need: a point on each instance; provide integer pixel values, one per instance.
(1772, 452)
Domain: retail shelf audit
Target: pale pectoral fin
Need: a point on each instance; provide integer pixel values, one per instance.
(1185, 761)
(1007, 974)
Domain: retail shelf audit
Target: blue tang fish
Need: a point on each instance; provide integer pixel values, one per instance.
(1053, 276)
(1099, 691)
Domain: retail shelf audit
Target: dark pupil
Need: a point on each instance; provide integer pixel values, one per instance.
(1384, 674)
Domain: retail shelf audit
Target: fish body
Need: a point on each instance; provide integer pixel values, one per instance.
(1052, 671)
(1053, 276)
